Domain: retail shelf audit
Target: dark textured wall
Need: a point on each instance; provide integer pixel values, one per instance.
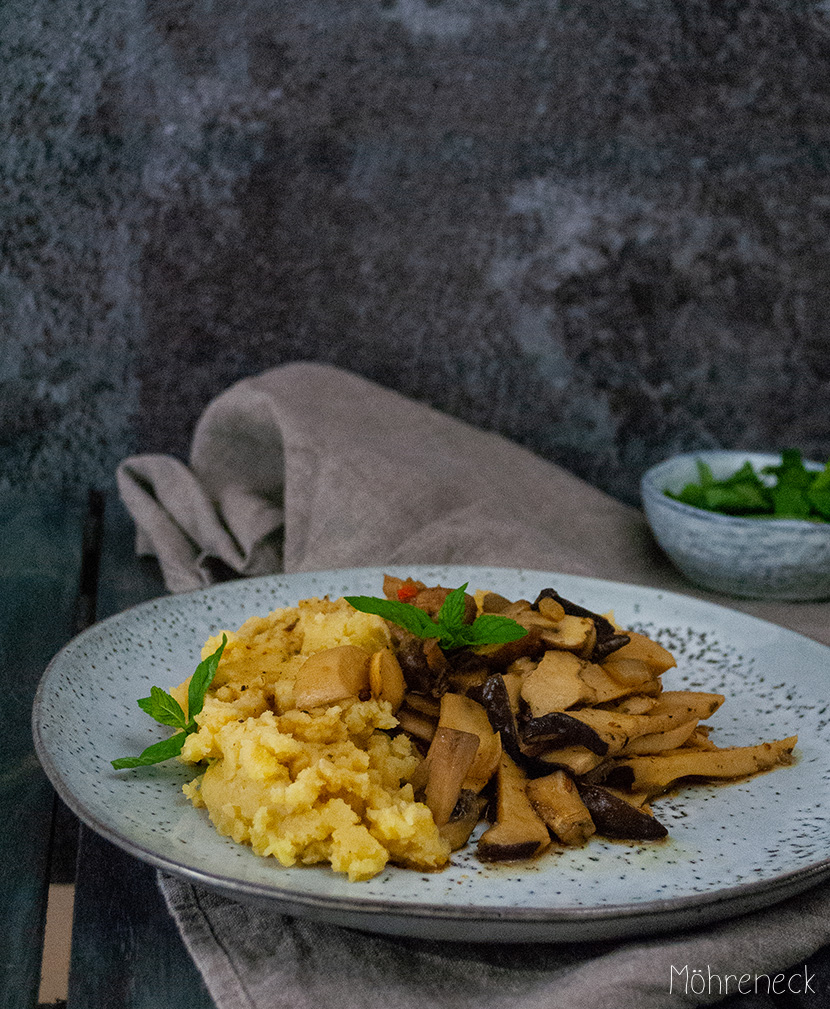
(602, 229)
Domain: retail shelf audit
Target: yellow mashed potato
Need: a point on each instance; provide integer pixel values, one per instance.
(307, 786)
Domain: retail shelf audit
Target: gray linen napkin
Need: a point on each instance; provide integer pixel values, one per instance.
(309, 467)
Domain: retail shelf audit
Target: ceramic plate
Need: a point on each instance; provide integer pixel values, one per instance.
(731, 849)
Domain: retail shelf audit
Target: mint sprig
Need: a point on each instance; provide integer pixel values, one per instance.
(164, 708)
(449, 627)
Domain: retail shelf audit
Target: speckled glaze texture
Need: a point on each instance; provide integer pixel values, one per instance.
(599, 229)
(749, 558)
(731, 848)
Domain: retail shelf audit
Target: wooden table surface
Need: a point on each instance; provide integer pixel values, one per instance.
(65, 563)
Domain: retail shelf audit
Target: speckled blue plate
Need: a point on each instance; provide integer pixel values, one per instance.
(731, 848)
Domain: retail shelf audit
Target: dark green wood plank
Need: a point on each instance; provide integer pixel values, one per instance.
(40, 558)
(126, 950)
(123, 578)
(65, 825)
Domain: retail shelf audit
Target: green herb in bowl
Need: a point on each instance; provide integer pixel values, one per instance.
(791, 491)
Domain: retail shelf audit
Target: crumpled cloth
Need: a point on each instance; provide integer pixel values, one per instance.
(309, 467)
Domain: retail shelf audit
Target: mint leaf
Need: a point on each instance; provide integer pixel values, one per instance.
(819, 501)
(163, 707)
(745, 475)
(789, 501)
(451, 614)
(492, 629)
(403, 614)
(736, 498)
(692, 494)
(792, 471)
(202, 679)
(705, 475)
(163, 750)
(821, 480)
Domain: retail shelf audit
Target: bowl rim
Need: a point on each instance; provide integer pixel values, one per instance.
(649, 489)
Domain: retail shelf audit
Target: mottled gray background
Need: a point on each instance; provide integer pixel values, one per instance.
(600, 228)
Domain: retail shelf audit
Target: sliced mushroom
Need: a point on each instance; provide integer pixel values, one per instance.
(492, 602)
(656, 657)
(497, 698)
(386, 678)
(422, 665)
(448, 762)
(556, 799)
(332, 675)
(429, 706)
(556, 684)
(465, 816)
(513, 680)
(519, 832)
(460, 712)
(431, 599)
(577, 760)
(494, 697)
(636, 704)
(415, 723)
(659, 742)
(557, 729)
(673, 708)
(465, 682)
(609, 639)
(699, 739)
(676, 706)
(572, 634)
(654, 774)
(499, 656)
(608, 687)
(631, 672)
(614, 817)
(550, 608)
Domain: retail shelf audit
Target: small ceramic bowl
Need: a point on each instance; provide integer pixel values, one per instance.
(785, 559)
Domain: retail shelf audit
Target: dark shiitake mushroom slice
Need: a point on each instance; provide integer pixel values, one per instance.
(616, 818)
(492, 695)
(556, 730)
